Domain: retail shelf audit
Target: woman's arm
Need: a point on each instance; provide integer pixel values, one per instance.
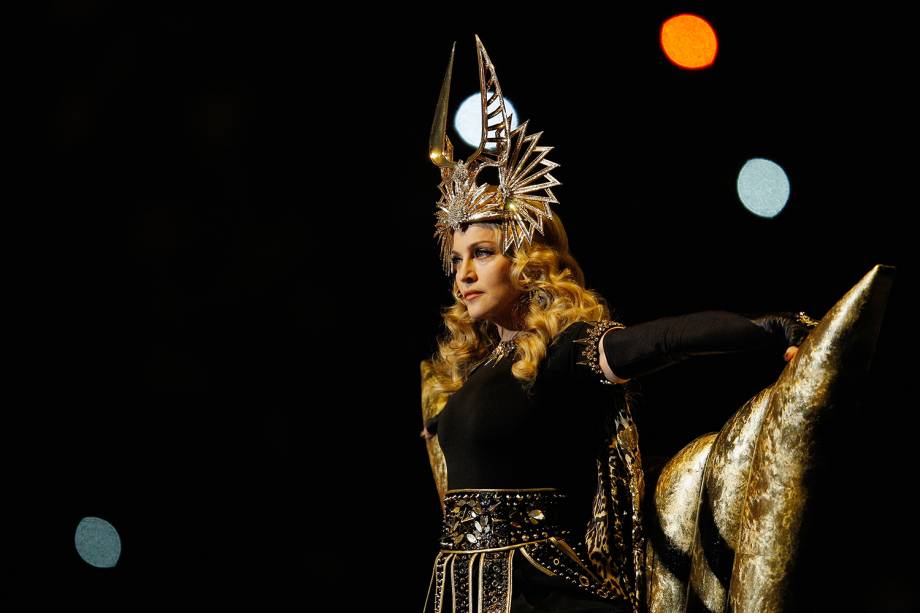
(628, 352)
(605, 365)
(429, 428)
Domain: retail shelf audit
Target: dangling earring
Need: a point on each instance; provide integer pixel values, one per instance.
(539, 297)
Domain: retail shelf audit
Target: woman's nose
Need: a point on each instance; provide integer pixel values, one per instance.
(467, 274)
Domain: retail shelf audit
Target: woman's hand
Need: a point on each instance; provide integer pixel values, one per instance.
(793, 328)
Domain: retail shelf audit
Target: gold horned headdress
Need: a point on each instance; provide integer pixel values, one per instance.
(520, 162)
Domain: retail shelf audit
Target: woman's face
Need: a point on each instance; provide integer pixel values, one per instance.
(480, 266)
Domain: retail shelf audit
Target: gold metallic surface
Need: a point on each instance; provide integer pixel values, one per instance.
(753, 494)
(725, 482)
(435, 455)
(729, 464)
(837, 353)
(676, 501)
(440, 149)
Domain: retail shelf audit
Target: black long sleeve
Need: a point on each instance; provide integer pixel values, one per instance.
(653, 345)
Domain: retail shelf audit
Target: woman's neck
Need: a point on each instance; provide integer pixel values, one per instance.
(506, 334)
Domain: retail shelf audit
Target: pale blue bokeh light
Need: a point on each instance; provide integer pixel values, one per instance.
(97, 542)
(468, 120)
(763, 187)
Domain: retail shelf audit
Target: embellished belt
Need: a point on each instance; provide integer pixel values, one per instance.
(496, 519)
(484, 531)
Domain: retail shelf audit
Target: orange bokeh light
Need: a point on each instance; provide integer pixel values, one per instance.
(689, 41)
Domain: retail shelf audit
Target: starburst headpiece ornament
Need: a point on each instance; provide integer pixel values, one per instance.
(516, 200)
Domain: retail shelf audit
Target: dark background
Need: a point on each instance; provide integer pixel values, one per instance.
(224, 276)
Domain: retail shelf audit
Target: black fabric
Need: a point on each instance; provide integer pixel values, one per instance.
(650, 346)
(494, 434)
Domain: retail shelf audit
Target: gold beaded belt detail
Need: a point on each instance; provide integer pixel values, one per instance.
(492, 520)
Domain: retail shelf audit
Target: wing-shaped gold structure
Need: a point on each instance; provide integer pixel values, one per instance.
(730, 505)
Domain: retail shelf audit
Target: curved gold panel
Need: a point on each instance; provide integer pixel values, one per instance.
(435, 455)
(676, 501)
(724, 482)
(737, 518)
(829, 366)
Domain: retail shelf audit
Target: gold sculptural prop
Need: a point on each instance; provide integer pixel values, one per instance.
(730, 505)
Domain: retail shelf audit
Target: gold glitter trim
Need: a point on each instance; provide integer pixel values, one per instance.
(590, 355)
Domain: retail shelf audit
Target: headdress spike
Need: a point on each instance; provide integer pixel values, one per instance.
(439, 146)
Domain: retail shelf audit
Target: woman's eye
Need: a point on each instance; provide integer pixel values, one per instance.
(455, 260)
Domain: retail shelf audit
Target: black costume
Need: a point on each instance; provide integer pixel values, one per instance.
(552, 474)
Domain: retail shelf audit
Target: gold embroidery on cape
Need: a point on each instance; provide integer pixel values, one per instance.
(614, 539)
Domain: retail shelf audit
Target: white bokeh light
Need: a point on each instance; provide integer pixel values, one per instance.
(468, 119)
(763, 187)
(97, 542)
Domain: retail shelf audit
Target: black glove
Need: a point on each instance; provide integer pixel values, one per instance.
(651, 346)
(792, 328)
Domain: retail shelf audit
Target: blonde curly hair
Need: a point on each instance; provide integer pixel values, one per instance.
(553, 297)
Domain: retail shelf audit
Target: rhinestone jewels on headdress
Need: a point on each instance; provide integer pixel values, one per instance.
(520, 162)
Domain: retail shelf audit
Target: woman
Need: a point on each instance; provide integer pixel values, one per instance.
(543, 472)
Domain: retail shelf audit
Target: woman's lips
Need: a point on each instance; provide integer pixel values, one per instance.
(473, 295)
